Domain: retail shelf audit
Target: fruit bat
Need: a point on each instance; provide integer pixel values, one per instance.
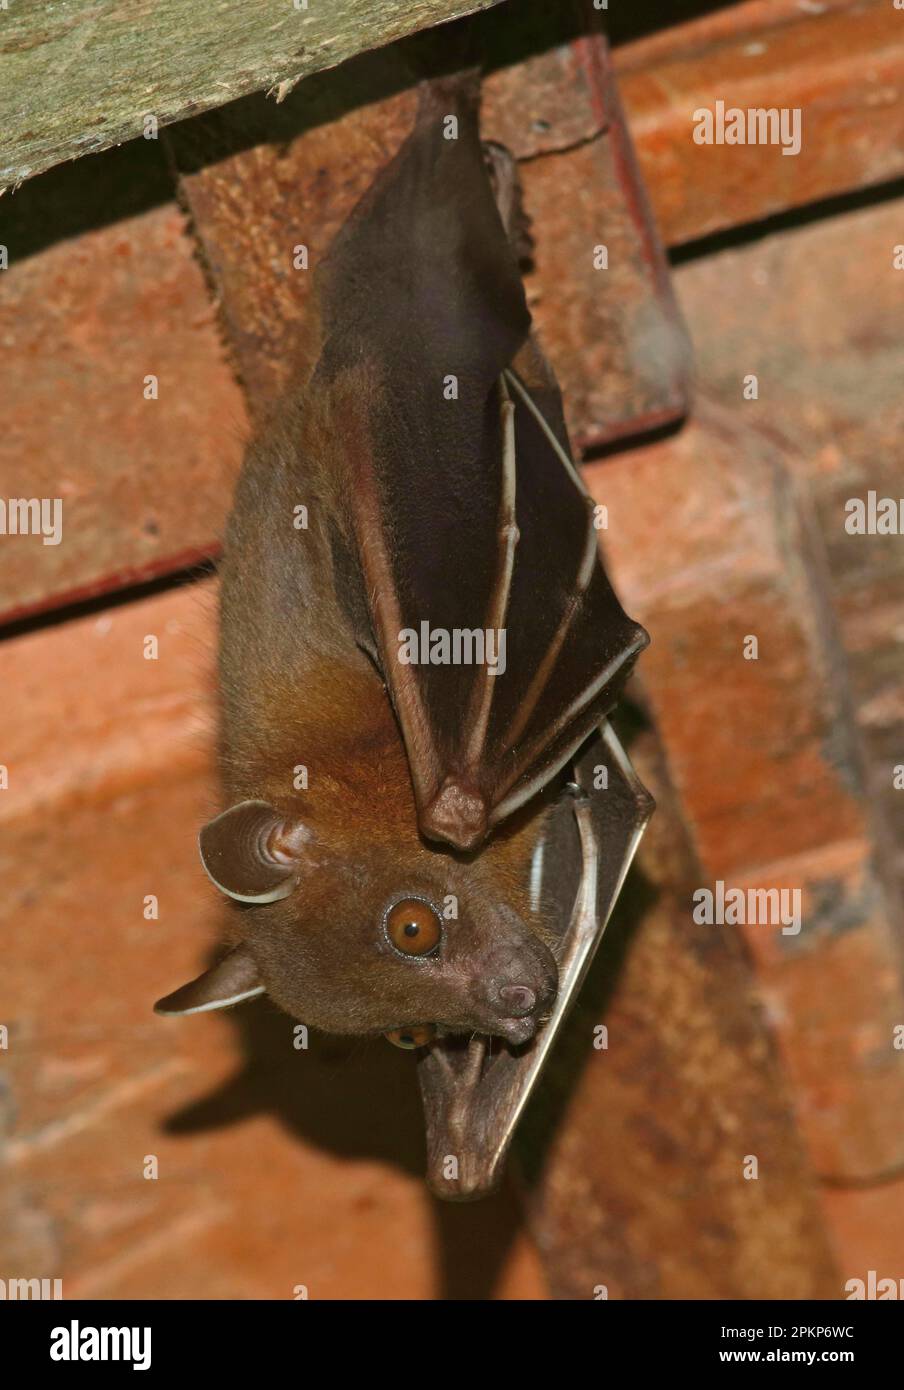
(428, 817)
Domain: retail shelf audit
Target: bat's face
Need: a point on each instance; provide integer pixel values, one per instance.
(373, 938)
(379, 946)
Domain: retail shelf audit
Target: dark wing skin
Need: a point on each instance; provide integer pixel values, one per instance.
(475, 1093)
(468, 512)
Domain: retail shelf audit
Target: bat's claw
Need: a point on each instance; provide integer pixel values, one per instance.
(455, 815)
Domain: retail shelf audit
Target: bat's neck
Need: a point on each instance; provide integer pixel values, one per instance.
(338, 748)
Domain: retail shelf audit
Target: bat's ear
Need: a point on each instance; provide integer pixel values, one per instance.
(233, 981)
(253, 853)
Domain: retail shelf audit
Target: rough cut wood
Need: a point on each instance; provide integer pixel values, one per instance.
(81, 75)
(143, 481)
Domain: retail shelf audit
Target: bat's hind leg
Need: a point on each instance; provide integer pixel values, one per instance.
(503, 171)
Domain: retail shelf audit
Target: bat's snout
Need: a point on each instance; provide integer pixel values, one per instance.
(520, 1013)
(518, 1001)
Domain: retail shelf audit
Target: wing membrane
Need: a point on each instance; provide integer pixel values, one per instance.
(472, 523)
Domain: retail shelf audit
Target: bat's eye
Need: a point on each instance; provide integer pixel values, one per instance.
(410, 1038)
(413, 927)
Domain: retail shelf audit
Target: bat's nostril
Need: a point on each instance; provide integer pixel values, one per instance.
(517, 1000)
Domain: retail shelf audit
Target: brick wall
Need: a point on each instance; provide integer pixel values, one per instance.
(206, 1157)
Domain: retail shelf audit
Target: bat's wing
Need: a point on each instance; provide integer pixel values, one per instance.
(499, 636)
(475, 1092)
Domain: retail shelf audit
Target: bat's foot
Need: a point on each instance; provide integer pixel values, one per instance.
(503, 170)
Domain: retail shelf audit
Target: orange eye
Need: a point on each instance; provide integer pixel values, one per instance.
(413, 927)
(410, 1038)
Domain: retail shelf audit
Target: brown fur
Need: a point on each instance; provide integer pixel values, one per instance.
(299, 688)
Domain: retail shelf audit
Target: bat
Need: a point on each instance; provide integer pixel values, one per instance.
(428, 816)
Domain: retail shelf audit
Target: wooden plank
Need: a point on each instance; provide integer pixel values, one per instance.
(829, 367)
(81, 75)
(731, 21)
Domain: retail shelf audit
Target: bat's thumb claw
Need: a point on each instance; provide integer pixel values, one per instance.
(455, 815)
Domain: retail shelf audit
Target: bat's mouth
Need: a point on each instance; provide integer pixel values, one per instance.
(517, 1030)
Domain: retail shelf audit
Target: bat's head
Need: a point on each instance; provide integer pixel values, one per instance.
(396, 936)
(379, 937)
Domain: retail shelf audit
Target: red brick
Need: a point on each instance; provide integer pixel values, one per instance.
(843, 67)
(710, 542)
(144, 484)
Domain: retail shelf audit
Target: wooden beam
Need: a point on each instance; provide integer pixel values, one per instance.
(82, 75)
